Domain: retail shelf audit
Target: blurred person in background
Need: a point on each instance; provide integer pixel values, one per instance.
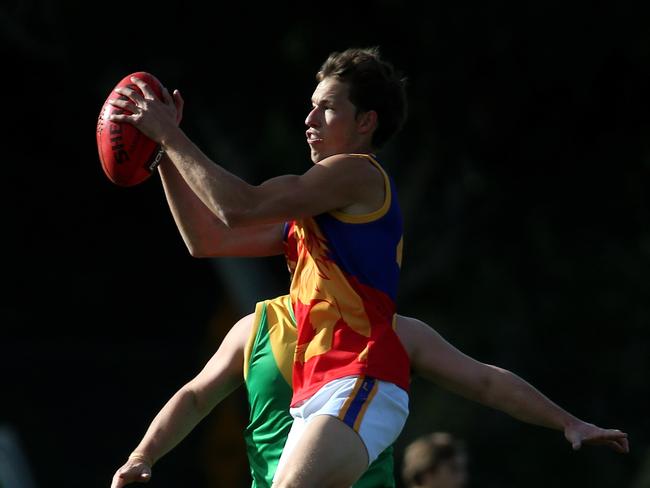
(435, 460)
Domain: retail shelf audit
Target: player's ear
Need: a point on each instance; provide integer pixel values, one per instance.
(367, 121)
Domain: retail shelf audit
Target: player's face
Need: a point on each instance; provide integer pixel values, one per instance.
(332, 123)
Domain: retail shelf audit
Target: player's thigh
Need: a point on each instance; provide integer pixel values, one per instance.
(329, 454)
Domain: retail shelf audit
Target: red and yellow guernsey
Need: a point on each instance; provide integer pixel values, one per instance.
(345, 272)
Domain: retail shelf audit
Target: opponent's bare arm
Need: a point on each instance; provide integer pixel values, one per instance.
(219, 378)
(437, 360)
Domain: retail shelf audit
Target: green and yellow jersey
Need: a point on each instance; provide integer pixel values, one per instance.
(268, 362)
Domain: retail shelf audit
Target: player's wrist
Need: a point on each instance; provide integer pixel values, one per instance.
(173, 140)
(141, 456)
(569, 422)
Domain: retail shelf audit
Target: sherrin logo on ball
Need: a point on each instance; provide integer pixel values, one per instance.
(128, 157)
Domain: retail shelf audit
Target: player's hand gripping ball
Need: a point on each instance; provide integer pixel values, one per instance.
(128, 157)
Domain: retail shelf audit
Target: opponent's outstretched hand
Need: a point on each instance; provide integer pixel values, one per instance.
(579, 433)
(133, 471)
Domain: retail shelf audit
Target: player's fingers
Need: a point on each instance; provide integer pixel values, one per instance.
(610, 435)
(620, 439)
(121, 118)
(123, 103)
(576, 444)
(616, 440)
(117, 481)
(167, 98)
(623, 445)
(615, 446)
(178, 100)
(130, 93)
(180, 103)
(146, 89)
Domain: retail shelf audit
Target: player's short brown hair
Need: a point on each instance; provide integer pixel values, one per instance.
(374, 85)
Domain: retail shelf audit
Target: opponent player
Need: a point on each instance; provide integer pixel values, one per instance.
(259, 349)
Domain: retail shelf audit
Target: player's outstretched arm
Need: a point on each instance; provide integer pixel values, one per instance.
(221, 376)
(437, 360)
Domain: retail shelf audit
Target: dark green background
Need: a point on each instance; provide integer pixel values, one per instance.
(522, 172)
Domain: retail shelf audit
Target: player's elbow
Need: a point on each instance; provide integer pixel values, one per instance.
(187, 400)
(241, 210)
(199, 248)
(211, 246)
(197, 252)
(232, 218)
(244, 216)
(197, 402)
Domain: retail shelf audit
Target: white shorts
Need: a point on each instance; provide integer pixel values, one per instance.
(374, 409)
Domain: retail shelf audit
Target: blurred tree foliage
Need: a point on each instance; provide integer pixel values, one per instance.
(523, 173)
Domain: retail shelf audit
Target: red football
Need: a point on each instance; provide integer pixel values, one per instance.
(128, 157)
